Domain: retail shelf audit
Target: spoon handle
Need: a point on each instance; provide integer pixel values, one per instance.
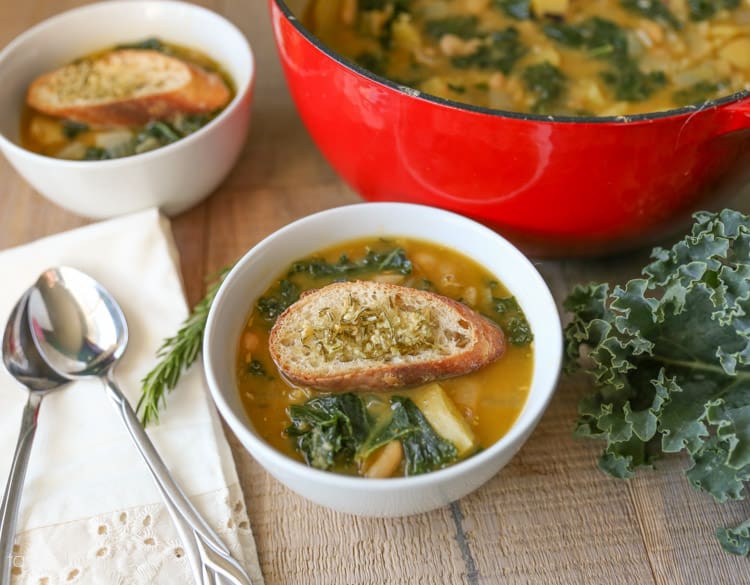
(213, 552)
(12, 496)
(188, 540)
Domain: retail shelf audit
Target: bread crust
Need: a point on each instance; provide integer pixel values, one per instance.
(290, 338)
(127, 87)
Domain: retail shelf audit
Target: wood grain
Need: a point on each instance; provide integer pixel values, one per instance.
(549, 517)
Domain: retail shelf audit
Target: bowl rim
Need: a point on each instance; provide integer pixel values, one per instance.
(406, 91)
(240, 95)
(291, 467)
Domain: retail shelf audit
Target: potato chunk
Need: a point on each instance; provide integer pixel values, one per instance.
(442, 413)
(737, 52)
(46, 131)
(405, 34)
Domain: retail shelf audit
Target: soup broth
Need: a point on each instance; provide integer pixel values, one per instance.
(488, 400)
(566, 57)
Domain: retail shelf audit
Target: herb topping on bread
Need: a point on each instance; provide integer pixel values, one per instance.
(374, 335)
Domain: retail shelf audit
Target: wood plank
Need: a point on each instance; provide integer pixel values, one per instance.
(678, 525)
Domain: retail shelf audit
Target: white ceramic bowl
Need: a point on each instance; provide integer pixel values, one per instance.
(173, 177)
(262, 265)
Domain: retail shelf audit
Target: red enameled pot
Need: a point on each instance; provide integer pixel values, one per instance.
(555, 185)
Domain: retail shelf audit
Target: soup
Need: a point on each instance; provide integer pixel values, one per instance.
(563, 57)
(70, 138)
(463, 414)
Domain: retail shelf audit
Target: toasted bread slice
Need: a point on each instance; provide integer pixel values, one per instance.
(375, 336)
(127, 87)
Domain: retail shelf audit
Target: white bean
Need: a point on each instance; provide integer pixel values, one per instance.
(387, 461)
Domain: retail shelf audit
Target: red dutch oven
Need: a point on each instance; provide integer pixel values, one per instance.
(555, 185)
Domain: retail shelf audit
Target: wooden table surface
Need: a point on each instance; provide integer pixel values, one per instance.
(549, 517)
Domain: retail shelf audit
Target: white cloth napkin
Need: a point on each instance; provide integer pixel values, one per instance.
(90, 512)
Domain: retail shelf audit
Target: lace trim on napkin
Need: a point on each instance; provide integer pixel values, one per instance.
(137, 546)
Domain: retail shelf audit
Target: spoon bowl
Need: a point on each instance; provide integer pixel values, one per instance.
(23, 362)
(80, 329)
(20, 356)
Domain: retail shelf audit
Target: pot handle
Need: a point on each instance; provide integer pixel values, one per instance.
(735, 116)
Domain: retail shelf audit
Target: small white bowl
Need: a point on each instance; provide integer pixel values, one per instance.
(174, 177)
(262, 265)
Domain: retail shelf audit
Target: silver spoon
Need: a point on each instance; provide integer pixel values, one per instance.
(23, 362)
(81, 332)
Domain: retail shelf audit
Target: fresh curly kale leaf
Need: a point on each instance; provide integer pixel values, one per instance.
(669, 354)
(736, 540)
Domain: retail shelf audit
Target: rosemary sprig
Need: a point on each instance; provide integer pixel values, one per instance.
(175, 355)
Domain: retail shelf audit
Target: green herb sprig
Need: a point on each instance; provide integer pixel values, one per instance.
(175, 355)
(669, 354)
